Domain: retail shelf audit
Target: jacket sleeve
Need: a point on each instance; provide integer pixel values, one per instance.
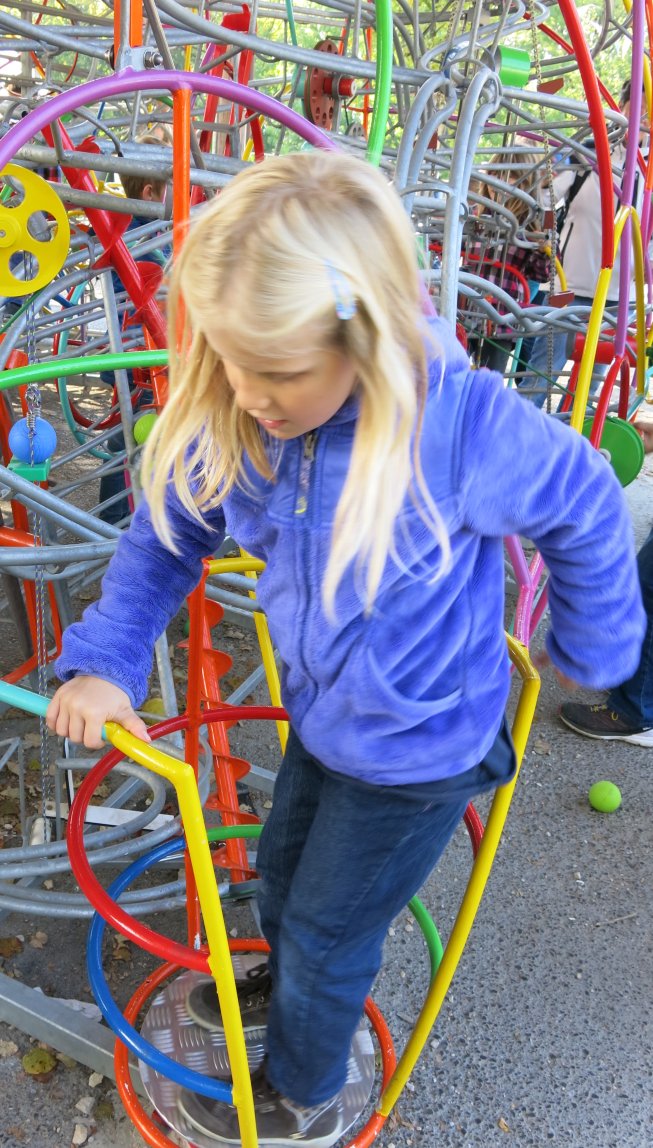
(142, 590)
(524, 472)
(537, 265)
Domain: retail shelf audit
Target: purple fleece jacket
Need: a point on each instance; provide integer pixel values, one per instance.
(416, 691)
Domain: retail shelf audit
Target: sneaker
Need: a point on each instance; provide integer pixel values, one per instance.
(253, 991)
(604, 724)
(279, 1121)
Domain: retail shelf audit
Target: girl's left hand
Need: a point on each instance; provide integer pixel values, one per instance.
(542, 660)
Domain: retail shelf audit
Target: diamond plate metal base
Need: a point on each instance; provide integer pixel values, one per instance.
(169, 1028)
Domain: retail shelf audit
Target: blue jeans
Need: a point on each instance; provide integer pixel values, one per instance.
(114, 482)
(534, 386)
(338, 860)
(633, 699)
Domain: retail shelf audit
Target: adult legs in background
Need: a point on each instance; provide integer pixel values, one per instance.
(634, 698)
(495, 354)
(627, 713)
(547, 360)
(544, 370)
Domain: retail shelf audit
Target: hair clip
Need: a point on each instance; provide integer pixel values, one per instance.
(345, 302)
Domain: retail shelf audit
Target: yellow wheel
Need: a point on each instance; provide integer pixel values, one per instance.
(21, 220)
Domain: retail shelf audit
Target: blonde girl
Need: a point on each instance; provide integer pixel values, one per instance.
(493, 253)
(320, 419)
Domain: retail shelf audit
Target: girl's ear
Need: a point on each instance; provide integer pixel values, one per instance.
(151, 195)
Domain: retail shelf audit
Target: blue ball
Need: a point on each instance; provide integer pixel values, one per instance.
(44, 439)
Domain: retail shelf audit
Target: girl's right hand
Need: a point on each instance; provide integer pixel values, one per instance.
(80, 708)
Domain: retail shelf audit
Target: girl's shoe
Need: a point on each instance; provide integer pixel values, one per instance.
(279, 1122)
(253, 986)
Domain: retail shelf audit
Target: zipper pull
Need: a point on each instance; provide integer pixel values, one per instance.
(308, 457)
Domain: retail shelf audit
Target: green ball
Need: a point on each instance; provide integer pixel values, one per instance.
(143, 426)
(154, 705)
(605, 796)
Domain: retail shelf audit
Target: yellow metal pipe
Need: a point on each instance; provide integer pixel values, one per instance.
(596, 317)
(235, 565)
(269, 663)
(476, 885)
(180, 774)
(246, 564)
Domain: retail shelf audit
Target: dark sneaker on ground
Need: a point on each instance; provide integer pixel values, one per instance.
(604, 724)
(279, 1122)
(253, 997)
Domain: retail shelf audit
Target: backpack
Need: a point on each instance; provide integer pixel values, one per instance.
(563, 211)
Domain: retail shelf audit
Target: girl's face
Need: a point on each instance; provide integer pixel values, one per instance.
(288, 397)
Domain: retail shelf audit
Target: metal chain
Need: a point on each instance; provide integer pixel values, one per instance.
(33, 402)
(553, 232)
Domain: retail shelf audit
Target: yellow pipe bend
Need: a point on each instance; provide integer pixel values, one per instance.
(180, 774)
(475, 887)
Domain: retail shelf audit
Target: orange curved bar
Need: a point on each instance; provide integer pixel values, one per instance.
(151, 1134)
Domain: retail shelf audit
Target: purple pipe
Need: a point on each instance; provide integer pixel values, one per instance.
(171, 81)
(628, 182)
(647, 227)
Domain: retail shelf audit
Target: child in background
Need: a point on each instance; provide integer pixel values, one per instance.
(160, 132)
(580, 252)
(503, 263)
(336, 432)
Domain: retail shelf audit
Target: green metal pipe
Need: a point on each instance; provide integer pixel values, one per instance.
(58, 368)
(383, 83)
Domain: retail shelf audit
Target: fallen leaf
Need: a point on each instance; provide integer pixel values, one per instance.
(541, 746)
(10, 946)
(67, 1061)
(502, 1125)
(121, 951)
(39, 1062)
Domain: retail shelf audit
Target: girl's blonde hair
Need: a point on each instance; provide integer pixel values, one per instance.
(264, 267)
(527, 178)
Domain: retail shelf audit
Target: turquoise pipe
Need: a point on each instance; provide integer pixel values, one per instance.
(23, 699)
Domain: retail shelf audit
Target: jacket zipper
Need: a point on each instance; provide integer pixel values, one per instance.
(305, 468)
(301, 507)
